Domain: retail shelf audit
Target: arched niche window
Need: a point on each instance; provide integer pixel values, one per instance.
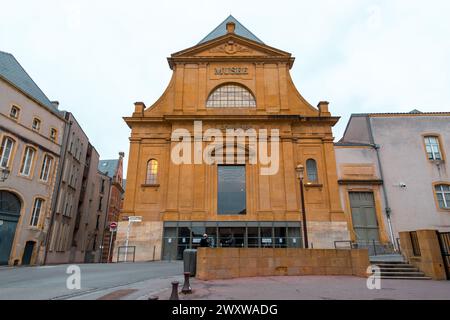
(152, 172)
(311, 170)
(231, 96)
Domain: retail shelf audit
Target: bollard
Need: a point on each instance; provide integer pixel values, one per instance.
(174, 295)
(186, 287)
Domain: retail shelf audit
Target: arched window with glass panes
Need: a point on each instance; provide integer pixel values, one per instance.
(311, 170)
(231, 96)
(152, 172)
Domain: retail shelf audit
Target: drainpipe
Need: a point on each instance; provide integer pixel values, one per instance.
(386, 201)
(67, 127)
(106, 220)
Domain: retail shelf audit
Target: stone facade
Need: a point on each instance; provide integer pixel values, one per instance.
(24, 185)
(187, 192)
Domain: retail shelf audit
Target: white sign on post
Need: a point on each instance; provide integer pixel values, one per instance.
(135, 219)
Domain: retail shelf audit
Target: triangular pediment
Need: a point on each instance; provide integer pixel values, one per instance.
(231, 45)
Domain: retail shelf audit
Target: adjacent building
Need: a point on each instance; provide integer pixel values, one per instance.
(394, 174)
(31, 137)
(229, 83)
(53, 204)
(112, 168)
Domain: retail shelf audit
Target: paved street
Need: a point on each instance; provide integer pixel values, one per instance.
(139, 281)
(49, 282)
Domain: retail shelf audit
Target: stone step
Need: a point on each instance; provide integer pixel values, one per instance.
(405, 269)
(388, 262)
(405, 278)
(402, 274)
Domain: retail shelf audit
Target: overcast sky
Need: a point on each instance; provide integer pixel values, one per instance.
(98, 57)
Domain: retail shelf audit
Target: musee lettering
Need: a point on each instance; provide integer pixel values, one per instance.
(231, 70)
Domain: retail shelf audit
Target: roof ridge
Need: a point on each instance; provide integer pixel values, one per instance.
(238, 24)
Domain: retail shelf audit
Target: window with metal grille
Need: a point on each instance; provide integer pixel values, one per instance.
(152, 172)
(415, 243)
(311, 170)
(231, 96)
(443, 195)
(432, 147)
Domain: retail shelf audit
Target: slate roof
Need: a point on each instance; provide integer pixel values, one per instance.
(12, 72)
(108, 167)
(239, 29)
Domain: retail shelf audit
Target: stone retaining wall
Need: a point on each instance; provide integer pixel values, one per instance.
(226, 263)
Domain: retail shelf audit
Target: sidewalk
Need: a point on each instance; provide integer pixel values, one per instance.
(311, 288)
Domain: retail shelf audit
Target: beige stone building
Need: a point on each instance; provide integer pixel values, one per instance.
(230, 82)
(31, 135)
(393, 174)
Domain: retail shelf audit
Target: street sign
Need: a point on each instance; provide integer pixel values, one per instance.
(135, 219)
(112, 226)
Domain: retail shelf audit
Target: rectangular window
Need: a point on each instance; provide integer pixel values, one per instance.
(6, 151)
(231, 190)
(27, 162)
(53, 134)
(36, 124)
(443, 195)
(433, 149)
(46, 168)
(36, 212)
(100, 201)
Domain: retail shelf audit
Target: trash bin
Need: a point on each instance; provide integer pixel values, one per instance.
(190, 261)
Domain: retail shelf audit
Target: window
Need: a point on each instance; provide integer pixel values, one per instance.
(36, 124)
(27, 161)
(231, 96)
(14, 113)
(102, 187)
(46, 167)
(36, 211)
(152, 172)
(432, 147)
(231, 190)
(443, 195)
(53, 134)
(100, 202)
(6, 151)
(311, 170)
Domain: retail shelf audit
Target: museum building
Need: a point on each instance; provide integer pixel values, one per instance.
(229, 149)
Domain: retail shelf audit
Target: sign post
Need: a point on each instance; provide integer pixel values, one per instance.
(131, 219)
(112, 229)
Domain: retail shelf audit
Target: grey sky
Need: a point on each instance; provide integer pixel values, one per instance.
(99, 57)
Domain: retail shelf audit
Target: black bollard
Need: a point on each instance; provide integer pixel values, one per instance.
(174, 295)
(186, 287)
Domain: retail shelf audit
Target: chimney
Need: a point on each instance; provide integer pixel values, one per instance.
(230, 27)
(55, 104)
(139, 108)
(121, 154)
(323, 109)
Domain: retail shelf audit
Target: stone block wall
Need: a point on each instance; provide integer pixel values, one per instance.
(226, 263)
(430, 260)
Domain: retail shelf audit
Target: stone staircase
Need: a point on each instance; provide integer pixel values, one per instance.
(399, 270)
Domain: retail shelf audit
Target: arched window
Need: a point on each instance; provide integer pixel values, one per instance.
(311, 170)
(231, 96)
(27, 161)
(6, 149)
(152, 172)
(443, 195)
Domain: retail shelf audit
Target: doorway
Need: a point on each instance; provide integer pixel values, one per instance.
(28, 253)
(9, 217)
(364, 218)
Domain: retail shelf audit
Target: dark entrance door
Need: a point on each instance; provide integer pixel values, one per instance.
(9, 216)
(444, 241)
(364, 218)
(28, 253)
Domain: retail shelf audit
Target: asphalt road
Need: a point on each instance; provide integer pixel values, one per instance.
(49, 282)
